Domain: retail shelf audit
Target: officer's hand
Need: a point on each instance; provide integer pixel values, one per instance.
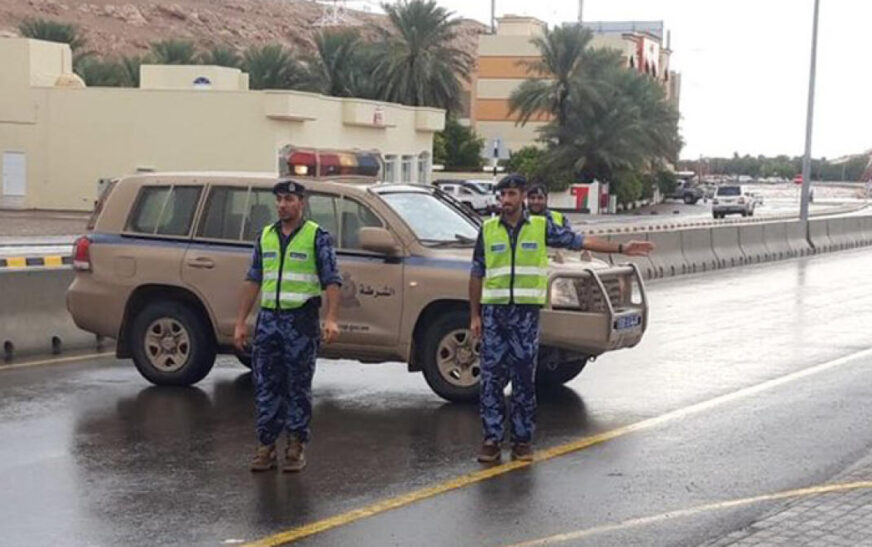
(330, 331)
(240, 336)
(638, 248)
(475, 326)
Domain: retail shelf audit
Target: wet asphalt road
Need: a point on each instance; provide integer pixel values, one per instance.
(92, 455)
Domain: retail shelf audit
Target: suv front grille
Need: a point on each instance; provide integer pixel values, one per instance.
(590, 297)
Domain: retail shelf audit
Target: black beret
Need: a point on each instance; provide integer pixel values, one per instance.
(511, 181)
(537, 189)
(289, 186)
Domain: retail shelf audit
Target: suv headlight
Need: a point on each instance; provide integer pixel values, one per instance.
(563, 294)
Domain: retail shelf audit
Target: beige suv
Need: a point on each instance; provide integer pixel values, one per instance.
(161, 270)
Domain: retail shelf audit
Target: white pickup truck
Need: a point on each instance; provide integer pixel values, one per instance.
(470, 195)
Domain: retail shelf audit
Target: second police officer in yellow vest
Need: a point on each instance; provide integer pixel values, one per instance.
(507, 287)
(293, 263)
(537, 204)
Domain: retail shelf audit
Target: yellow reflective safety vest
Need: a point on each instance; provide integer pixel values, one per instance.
(556, 217)
(289, 280)
(518, 275)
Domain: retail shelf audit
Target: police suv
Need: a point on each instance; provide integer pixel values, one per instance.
(162, 265)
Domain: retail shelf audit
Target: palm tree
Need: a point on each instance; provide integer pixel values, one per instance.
(52, 31)
(418, 65)
(130, 65)
(630, 127)
(102, 73)
(221, 56)
(274, 67)
(342, 64)
(174, 52)
(564, 56)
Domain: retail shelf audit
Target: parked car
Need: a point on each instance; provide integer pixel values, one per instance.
(159, 273)
(687, 192)
(733, 198)
(469, 194)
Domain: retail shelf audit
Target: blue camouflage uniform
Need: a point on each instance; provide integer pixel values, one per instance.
(510, 346)
(285, 347)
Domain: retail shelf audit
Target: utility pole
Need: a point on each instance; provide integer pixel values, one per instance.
(493, 16)
(806, 160)
(580, 11)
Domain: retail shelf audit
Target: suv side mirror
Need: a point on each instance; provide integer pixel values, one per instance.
(379, 240)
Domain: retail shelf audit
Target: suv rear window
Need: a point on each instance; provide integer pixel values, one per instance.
(164, 210)
(236, 213)
(729, 191)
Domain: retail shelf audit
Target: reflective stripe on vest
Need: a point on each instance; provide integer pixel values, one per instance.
(519, 276)
(299, 270)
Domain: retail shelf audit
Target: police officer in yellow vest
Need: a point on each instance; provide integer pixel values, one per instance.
(293, 262)
(507, 287)
(537, 204)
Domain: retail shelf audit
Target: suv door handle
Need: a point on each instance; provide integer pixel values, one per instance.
(201, 262)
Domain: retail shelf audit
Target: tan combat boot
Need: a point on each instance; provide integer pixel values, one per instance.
(264, 458)
(295, 458)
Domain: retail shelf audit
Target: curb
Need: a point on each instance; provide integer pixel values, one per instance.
(47, 261)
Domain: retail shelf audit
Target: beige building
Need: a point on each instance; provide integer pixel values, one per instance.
(501, 69)
(60, 139)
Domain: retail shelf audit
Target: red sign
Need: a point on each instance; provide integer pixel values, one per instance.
(797, 179)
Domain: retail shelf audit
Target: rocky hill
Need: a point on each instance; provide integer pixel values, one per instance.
(113, 28)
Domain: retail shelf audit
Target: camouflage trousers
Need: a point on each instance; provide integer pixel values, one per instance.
(509, 348)
(283, 364)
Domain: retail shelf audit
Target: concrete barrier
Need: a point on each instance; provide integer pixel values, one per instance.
(854, 229)
(667, 258)
(797, 239)
(34, 317)
(696, 245)
(867, 230)
(775, 236)
(726, 247)
(644, 263)
(753, 244)
(839, 230)
(818, 234)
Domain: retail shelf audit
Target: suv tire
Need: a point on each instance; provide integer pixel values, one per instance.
(689, 199)
(450, 358)
(171, 345)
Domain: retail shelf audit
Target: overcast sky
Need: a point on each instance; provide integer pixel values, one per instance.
(744, 67)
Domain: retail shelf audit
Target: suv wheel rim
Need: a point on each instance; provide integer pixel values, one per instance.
(167, 344)
(458, 358)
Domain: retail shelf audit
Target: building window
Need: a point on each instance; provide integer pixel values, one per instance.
(390, 168)
(424, 168)
(407, 169)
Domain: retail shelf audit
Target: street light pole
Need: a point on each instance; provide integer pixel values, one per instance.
(806, 160)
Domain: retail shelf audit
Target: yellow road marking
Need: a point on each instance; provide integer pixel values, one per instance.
(53, 261)
(58, 360)
(541, 456)
(642, 521)
(16, 262)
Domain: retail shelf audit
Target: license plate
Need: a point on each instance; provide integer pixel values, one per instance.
(628, 321)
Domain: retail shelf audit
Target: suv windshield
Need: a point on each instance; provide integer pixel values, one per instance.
(729, 191)
(432, 220)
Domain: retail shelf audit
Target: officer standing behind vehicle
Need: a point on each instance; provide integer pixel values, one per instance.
(507, 287)
(537, 203)
(292, 262)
